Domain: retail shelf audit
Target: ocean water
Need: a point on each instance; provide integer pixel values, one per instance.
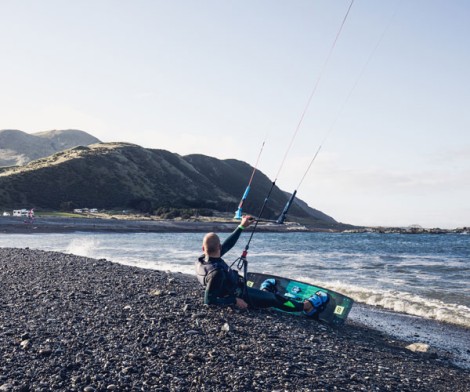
(395, 279)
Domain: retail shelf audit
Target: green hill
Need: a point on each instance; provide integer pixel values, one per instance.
(124, 176)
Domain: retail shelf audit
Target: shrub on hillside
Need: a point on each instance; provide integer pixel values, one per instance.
(183, 213)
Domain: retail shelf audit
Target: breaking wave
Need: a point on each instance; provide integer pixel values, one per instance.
(403, 302)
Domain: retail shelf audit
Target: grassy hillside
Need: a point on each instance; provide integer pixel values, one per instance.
(118, 175)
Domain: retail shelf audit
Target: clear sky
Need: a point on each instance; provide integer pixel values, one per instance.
(218, 77)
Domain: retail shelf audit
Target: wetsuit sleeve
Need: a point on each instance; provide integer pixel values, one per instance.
(215, 290)
(230, 241)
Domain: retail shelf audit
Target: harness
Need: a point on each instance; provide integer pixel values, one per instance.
(207, 266)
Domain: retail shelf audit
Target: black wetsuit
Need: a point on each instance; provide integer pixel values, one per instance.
(223, 285)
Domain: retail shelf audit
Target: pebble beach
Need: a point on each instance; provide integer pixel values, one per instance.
(80, 324)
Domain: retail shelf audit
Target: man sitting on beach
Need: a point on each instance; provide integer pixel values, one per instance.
(224, 286)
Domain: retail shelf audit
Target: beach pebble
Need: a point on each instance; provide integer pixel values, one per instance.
(25, 344)
(45, 352)
(418, 347)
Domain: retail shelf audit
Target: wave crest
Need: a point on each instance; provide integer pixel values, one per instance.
(403, 302)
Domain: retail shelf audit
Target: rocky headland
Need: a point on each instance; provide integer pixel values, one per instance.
(408, 230)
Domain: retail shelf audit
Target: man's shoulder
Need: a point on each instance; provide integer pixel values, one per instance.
(210, 260)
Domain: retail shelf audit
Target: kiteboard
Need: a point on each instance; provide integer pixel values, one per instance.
(336, 310)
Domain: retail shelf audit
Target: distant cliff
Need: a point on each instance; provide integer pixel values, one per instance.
(18, 148)
(120, 175)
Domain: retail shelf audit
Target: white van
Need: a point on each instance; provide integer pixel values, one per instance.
(22, 212)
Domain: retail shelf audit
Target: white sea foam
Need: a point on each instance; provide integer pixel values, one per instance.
(83, 246)
(402, 301)
(156, 265)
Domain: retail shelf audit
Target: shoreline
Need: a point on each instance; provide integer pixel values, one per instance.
(75, 323)
(52, 224)
(17, 225)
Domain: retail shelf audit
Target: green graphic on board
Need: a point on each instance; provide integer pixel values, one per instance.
(336, 310)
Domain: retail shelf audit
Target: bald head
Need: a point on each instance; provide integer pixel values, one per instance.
(211, 245)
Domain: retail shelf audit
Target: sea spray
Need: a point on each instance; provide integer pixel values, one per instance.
(83, 246)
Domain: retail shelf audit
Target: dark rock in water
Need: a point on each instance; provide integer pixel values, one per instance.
(97, 326)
